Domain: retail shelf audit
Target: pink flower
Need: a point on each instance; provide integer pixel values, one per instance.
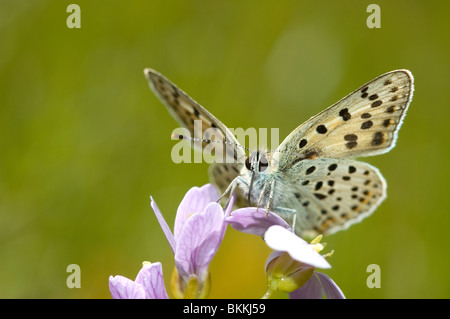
(291, 267)
(198, 232)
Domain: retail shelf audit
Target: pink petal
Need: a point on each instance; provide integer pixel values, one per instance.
(195, 201)
(150, 277)
(199, 240)
(254, 221)
(163, 224)
(124, 288)
(318, 286)
(281, 239)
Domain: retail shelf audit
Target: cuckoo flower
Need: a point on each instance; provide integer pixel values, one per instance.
(198, 232)
(291, 267)
(148, 284)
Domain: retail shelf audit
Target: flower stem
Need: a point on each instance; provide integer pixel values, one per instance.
(268, 294)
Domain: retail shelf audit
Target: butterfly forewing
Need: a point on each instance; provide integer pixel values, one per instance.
(191, 115)
(363, 123)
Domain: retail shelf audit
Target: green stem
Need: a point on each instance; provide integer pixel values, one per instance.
(268, 294)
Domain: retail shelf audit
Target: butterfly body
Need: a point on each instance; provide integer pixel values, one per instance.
(310, 179)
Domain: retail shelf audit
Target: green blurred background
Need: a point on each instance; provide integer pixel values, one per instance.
(84, 142)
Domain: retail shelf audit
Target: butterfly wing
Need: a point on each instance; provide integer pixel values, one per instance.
(332, 194)
(191, 115)
(364, 123)
(330, 191)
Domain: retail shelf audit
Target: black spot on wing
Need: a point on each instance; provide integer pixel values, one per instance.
(378, 138)
(303, 143)
(310, 170)
(345, 114)
(321, 129)
(320, 196)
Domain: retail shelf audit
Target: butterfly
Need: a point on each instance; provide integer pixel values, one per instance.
(311, 179)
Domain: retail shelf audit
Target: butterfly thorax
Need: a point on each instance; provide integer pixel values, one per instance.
(257, 178)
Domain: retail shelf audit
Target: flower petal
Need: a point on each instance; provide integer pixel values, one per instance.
(150, 277)
(282, 239)
(330, 289)
(255, 221)
(230, 204)
(163, 224)
(227, 212)
(272, 256)
(310, 290)
(318, 286)
(195, 201)
(199, 240)
(124, 288)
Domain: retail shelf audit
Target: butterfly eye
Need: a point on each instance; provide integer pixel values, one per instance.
(248, 164)
(251, 159)
(263, 164)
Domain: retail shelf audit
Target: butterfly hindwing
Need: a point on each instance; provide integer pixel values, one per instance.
(222, 175)
(332, 194)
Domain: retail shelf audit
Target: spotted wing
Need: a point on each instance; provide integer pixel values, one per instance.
(364, 123)
(200, 124)
(332, 194)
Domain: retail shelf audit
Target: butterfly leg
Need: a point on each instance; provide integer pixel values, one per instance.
(261, 196)
(237, 181)
(288, 211)
(230, 189)
(269, 202)
(263, 193)
(285, 210)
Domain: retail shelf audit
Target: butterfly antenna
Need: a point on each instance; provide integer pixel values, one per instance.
(196, 139)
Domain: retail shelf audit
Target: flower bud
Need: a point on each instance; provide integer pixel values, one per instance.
(286, 274)
(189, 288)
